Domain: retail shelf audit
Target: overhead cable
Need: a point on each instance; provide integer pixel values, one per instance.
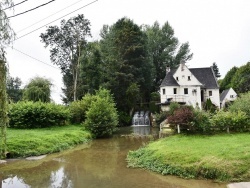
(30, 9)
(15, 5)
(56, 20)
(35, 59)
(48, 17)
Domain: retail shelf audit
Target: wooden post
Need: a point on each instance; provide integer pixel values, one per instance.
(178, 129)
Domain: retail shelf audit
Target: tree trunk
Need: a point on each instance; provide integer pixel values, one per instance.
(3, 109)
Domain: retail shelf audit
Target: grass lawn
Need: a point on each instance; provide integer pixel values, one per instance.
(33, 142)
(220, 157)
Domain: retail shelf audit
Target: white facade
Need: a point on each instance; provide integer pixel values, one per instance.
(187, 89)
(229, 95)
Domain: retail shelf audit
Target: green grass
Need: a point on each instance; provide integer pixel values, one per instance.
(220, 157)
(33, 142)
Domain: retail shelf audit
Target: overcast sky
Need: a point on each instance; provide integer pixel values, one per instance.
(217, 30)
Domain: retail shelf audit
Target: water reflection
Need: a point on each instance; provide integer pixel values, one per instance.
(101, 163)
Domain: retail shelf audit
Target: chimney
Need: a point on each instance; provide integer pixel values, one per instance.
(167, 70)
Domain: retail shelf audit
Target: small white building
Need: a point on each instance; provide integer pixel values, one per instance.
(189, 86)
(227, 95)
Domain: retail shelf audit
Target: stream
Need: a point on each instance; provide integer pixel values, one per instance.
(99, 164)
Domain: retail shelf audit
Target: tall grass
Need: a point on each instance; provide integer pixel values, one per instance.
(33, 142)
(220, 157)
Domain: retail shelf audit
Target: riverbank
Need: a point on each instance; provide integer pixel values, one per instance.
(34, 142)
(218, 157)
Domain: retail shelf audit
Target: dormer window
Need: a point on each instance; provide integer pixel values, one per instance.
(189, 78)
(177, 78)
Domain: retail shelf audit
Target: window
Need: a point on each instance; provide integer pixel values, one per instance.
(177, 78)
(189, 78)
(210, 93)
(163, 91)
(231, 96)
(185, 91)
(175, 90)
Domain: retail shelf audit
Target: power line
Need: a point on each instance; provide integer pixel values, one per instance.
(48, 16)
(56, 19)
(30, 9)
(35, 58)
(15, 5)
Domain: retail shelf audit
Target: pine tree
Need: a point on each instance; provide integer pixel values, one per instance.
(216, 70)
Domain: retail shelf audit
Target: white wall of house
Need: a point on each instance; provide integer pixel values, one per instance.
(231, 96)
(214, 95)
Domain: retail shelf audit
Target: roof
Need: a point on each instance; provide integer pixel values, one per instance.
(169, 80)
(224, 94)
(206, 77)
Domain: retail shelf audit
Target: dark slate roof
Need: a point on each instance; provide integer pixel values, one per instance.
(224, 94)
(206, 77)
(169, 80)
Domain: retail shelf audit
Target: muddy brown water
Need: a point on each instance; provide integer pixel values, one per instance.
(98, 164)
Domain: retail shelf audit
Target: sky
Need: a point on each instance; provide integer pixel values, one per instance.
(217, 30)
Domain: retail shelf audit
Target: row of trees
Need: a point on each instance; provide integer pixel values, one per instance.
(129, 60)
(238, 78)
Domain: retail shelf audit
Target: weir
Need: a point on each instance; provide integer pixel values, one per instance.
(141, 118)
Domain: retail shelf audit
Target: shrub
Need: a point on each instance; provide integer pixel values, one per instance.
(79, 108)
(201, 121)
(37, 114)
(101, 118)
(236, 121)
(173, 106)
(183, 116)
(160, 117)
(242, 103)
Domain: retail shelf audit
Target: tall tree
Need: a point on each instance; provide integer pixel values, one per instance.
(6, 36)
(38, 89)
(66, 43)
(241, 80)
(165, 50)
(14, 90)
(216, 70)
(226, 82)
(125, 61)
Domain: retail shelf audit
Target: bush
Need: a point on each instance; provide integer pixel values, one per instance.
(79, 108)
(37, 115)
(173, 107)
(101, 116)
(242, 104)
(201, 121)
(237, 121)
(160, 117)
(183, 116)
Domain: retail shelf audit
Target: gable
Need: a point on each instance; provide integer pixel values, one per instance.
(185, 77)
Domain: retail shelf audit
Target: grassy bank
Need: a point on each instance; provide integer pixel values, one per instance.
(33, 142)
(219, 157)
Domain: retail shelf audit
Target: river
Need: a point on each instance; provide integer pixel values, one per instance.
(98, 164)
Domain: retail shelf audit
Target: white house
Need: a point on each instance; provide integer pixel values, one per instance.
(189, 86)
(227, 95)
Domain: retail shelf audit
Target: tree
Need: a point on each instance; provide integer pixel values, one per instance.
(165, 51)
(66, 43)
(38, 89)
(6, 37)
(14, 90)
(125, 61)
(216, 70)
(226, 82)
(241, 80)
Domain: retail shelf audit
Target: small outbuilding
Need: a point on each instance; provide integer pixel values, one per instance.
(228, 95)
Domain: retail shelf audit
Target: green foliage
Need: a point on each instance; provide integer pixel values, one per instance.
(160, 117)
(216, 70)
(242, 103)
(101, 118)
(13, 89)
(241, 80)
(124, 118)
(33, 142)
(201, 121)
(209, 106)
(236, 121)
(38, 89)
(173, 107)
(37, 115)
(226, 82)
